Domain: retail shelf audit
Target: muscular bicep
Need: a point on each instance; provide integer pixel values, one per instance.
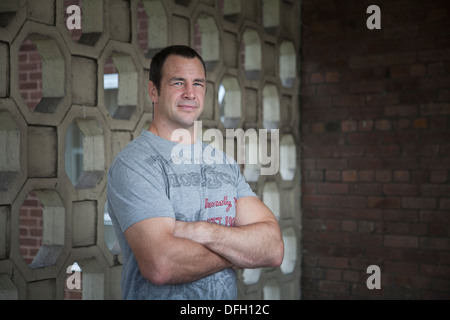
(251, 210)
(149, 240)
(164, 258)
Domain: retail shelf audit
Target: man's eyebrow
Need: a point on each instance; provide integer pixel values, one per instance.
(183, 79)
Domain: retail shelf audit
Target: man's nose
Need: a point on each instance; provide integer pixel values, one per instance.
(189, 91)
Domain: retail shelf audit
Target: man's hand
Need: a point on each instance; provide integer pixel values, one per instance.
(254, 242)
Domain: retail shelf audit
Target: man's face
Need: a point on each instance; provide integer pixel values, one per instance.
(181, 97)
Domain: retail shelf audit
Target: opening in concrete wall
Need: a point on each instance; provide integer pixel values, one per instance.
(74, 153)
(271, 15)
(231, 9)
(10, 154)
(251, 276)
(91, 21)
(72, 288)
(288, 64)
(8, 9)
(207, 41)
(109, 233)
(88, 281)
(230, 102)
(8, 290)
(271, 197)
(152, 26)
(288, 157)
(251, 44)
(120, 84)
(41, 73)
(252, 164)
(271, 107)
(271, 290)
(41, 228)
(84, 153)
(290, 250)
(184, 3)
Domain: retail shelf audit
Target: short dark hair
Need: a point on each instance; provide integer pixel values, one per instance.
(160, 57)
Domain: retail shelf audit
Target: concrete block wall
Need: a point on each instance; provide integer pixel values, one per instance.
(52, 90)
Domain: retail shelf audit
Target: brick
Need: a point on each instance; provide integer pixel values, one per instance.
(444, 203)
(365, 125)
(400, 189)
(333, 175)
(417, 70)
(366, 175)
(348, 126)
(366, 61)
(401, 241)
(435, 271)
(332, 188)
(365, 189)
(349, 225)
(419, 203)
(337, 164)
(420, 123)
(434, 216)
(349, 201)
(334, 286)
(383, 125)
(348, 101)
(384, 150)
(401, 267)
(333, 262)
(317, 200)
(433, 163)
(401, 176)
(399, 71)
(364, 138)
(435, 190)
(366, 226)
(350, 175)
(368, 87)
(383, 176)
(383, 202)
(317, 77)
(332, 76)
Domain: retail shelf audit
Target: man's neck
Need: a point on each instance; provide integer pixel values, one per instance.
(180, 135)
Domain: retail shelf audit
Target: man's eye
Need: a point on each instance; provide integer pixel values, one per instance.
(199, 84)
(177, 84)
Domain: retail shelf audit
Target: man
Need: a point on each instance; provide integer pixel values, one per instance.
(184, 228)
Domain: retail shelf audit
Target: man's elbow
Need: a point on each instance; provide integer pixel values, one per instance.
(277, 255)
(158, 275)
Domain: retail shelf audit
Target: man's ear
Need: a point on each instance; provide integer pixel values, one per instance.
(153, 92)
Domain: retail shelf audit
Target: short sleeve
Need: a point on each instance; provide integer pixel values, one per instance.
(137, 191)
(242, 186)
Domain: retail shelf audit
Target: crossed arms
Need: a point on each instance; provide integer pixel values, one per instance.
(174, 252)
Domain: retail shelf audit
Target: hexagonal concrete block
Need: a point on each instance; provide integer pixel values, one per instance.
(8, 291)
(119, 20)
(84, 81)
(4, 70)
(42, 150)
(84, 217)
(4, 232)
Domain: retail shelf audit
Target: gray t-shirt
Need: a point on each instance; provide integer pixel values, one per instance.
(144, 182)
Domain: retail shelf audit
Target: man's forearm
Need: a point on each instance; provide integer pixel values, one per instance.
(249, 246)
(189, 261)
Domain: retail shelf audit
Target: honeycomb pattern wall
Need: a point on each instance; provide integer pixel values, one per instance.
(71, 99)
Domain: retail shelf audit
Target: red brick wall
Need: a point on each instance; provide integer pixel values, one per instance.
(375, 112)
(30, 227)
(30, 74)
